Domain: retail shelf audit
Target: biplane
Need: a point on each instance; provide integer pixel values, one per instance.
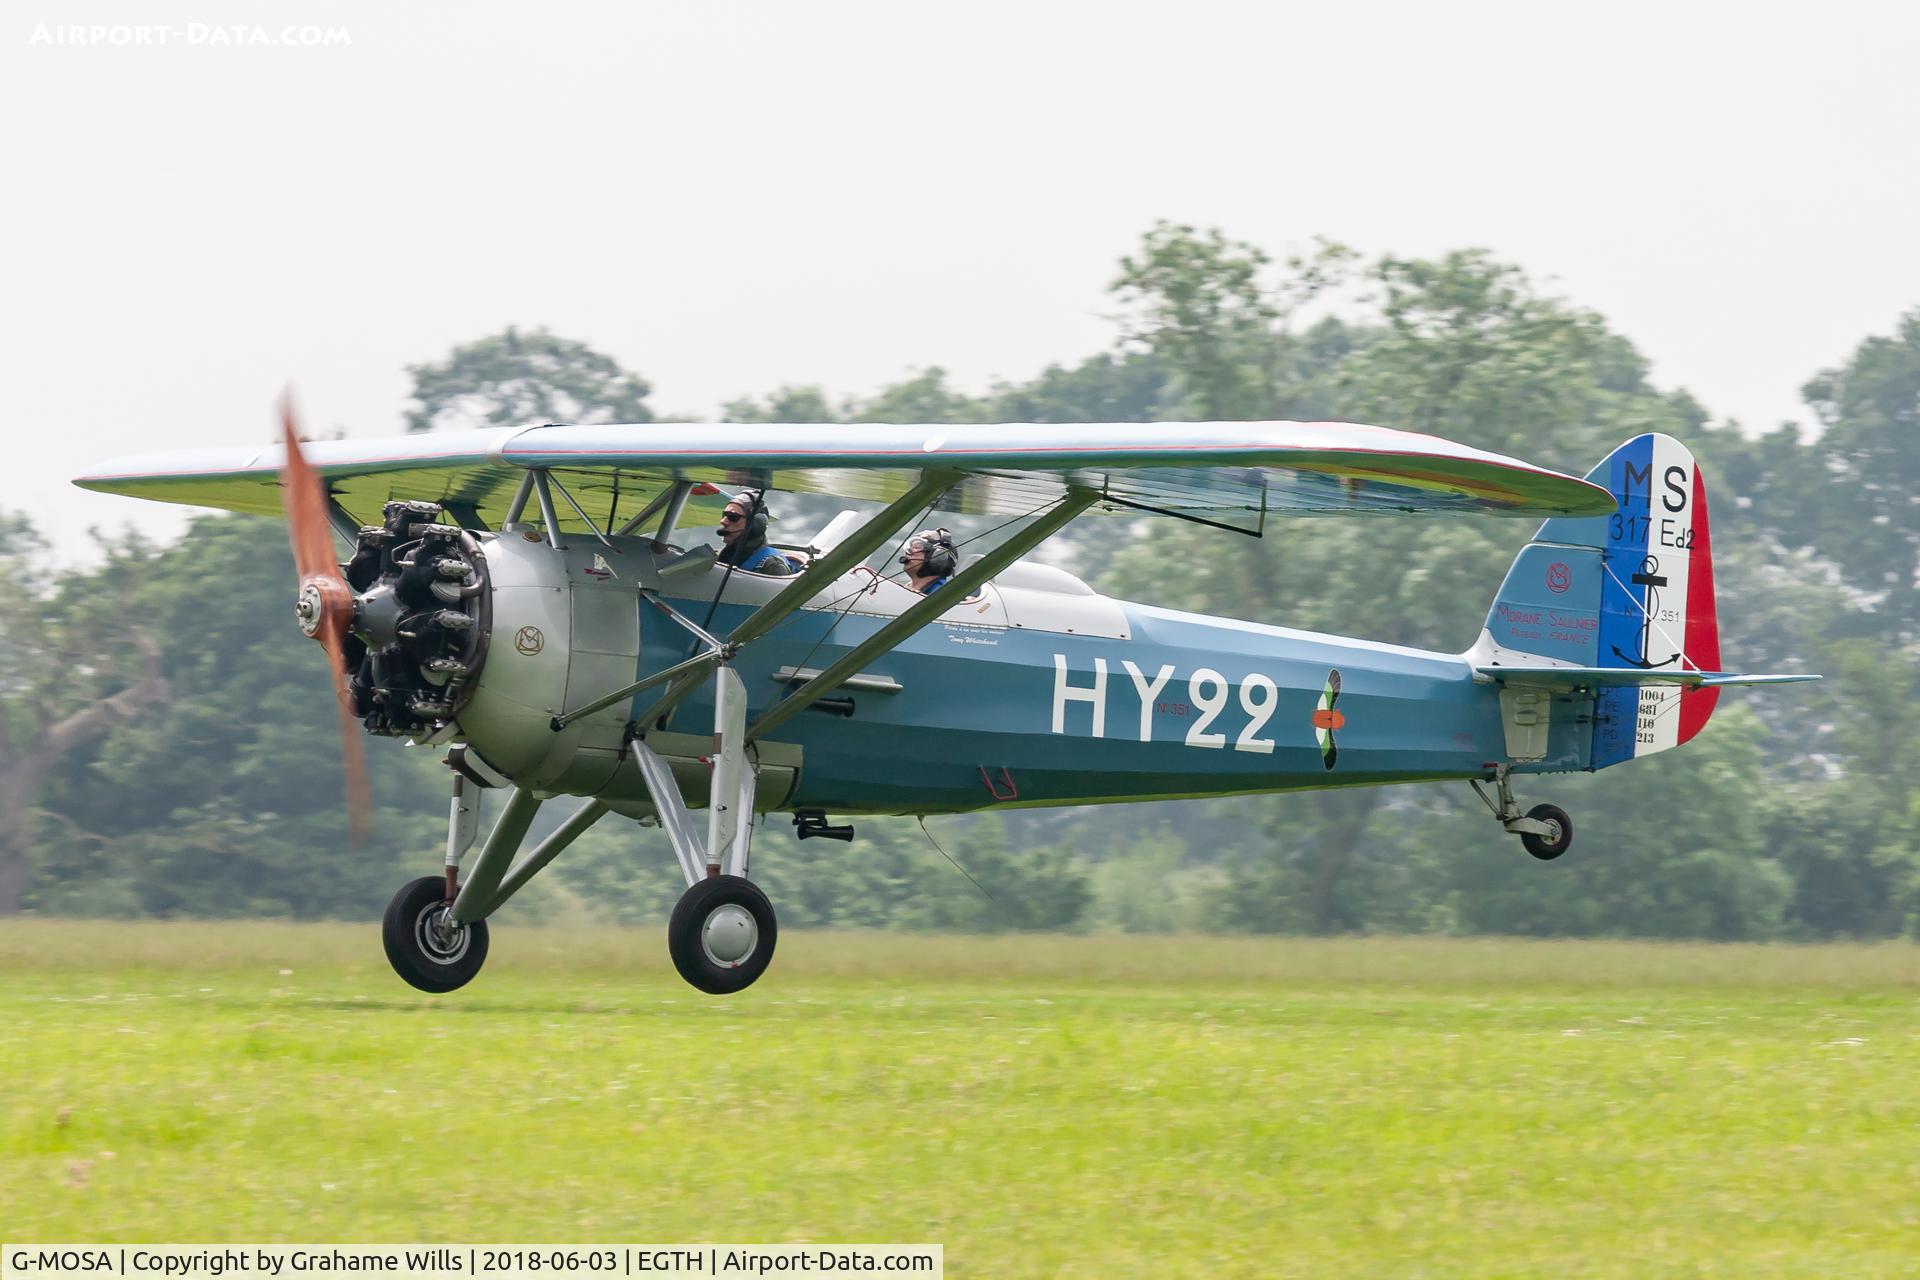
(543, 602)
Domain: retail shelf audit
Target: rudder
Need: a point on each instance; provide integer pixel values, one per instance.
(1629, 590)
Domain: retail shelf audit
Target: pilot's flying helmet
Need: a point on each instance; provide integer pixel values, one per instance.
(752, 504)
(942, 557)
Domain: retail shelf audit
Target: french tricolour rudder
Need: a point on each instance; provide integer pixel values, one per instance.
(1633, 591)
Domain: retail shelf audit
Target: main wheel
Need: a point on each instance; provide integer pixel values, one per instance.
(1560, 834)
(721, 935)
(423, 946)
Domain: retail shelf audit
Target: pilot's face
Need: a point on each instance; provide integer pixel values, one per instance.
(916, 563)
(733, 523)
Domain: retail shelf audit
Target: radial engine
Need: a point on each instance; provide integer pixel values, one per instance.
(487, 637)
(419, 633)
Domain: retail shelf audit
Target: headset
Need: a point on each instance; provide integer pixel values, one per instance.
(936, 545)
(756, 513)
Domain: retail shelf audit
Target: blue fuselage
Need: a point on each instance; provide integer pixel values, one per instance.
(1185, 705)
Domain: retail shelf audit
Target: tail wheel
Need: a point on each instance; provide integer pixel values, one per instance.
(1559, 835)
(721, 935)
(424, 946)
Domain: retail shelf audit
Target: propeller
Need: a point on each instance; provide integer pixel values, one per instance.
(324, 607)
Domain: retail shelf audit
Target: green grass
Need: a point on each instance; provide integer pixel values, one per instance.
(1042, 1106)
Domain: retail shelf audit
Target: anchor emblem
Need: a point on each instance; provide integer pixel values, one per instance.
(1652, 579)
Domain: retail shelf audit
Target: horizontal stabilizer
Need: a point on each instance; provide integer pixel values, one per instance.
(1722, 679)
(1588, 677)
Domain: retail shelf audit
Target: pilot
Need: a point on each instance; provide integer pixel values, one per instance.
(930, 560)
(743, 528)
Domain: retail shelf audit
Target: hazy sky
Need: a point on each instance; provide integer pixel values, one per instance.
(728, 196)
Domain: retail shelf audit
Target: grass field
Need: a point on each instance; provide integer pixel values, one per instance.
(1042, 1106)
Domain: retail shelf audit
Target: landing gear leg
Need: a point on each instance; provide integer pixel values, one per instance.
(463, 826)
(1546, 831)
(722, 932)
(730, 811)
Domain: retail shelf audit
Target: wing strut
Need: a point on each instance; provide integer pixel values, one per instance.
(675, 492)
(518, 507)
(856, 547)
(922, 611)
(676, 507)
(683, 678)
(342, 521)
(594, 529)
(543, 491)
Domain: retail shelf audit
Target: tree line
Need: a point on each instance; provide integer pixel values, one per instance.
(166, 746)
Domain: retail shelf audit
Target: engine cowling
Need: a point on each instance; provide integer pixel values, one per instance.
(564, 629)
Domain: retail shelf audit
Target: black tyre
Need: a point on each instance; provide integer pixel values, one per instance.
(1548, 847)
(721, 935)
(422, 951)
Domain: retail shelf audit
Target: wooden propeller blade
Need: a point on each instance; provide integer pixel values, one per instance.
(304, 497)
(353, 754)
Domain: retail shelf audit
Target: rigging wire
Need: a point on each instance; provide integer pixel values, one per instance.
(965, 542)
(853, 597)
(922, 819)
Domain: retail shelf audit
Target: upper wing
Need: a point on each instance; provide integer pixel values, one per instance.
(1232, 473)
(363, 473)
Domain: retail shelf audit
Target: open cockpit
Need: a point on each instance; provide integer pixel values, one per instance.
(1024, 594)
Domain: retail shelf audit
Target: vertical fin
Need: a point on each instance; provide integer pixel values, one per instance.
(1657, 608)
(1630, 590)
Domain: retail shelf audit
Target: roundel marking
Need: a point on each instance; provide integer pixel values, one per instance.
(1326, 719)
